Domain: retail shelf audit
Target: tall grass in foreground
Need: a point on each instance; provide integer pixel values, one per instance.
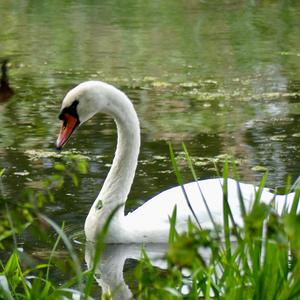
(258, 261)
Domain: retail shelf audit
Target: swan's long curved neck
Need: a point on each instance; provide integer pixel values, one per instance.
(120, 177)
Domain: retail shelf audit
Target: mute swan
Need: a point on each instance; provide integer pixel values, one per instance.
(150, 222)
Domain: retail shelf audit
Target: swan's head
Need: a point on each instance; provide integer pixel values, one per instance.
(79, 105)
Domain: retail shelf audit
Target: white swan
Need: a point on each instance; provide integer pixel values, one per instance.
(150, 222)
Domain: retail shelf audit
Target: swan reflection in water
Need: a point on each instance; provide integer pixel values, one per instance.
(109, 271)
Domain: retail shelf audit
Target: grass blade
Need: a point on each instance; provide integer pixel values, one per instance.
(261, 186)
(226, 210)
(53, 251)
(296, 188)
(241, 200)
(189, 161)
(295, 185)
(69, 247)
(180, 182)
(239, 191)
(172, 232)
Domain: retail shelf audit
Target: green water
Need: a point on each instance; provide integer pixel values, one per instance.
(221, 76)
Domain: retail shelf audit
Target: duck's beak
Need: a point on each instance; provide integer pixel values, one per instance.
(70, 123)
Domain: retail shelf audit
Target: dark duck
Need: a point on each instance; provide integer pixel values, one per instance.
(5, 90)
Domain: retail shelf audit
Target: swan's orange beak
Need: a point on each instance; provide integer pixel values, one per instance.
(68, 126)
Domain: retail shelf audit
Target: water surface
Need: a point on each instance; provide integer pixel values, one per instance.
(221, 76)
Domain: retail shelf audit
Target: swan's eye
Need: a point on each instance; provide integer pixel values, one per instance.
(65, 123)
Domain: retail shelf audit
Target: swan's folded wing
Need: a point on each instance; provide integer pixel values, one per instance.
(155, 212)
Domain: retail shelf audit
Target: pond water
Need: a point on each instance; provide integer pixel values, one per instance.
(221, 76)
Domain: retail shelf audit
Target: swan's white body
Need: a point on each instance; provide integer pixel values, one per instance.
(150, 222)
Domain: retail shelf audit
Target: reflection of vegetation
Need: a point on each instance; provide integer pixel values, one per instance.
(114, 38)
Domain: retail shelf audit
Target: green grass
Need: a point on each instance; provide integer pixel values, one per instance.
(261, 263)
(258, 261)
